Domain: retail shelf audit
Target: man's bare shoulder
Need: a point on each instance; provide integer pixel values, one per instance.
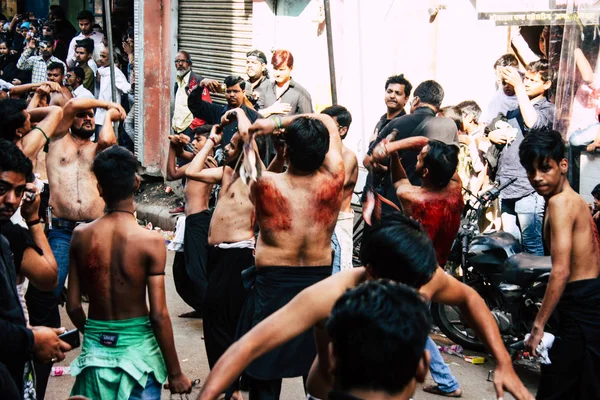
(565, 204)
(349, 157)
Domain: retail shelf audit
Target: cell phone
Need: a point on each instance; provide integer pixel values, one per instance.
(71, 337)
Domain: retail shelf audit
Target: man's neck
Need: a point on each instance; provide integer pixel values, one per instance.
(46, 58)
(295, 171)
(121, 207)
(255, 80)
(79, 140)
(537, 99)
(392, 113)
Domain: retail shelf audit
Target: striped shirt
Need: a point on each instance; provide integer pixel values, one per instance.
(37, 65)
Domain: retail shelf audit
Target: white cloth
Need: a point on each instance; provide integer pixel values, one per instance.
(182, 116)
(177, 242)
(242, 244)
(5, 85)
(105, 90)
(97, 37)
(21, 290)
(344, 232)
(82, 93)
(542, 348)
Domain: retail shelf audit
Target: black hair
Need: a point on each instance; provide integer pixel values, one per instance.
(233, 80)
(57, 11)
(12, 159)
(79, 73)
(541, 145)
(441, 161)
(115, 170)
(470, 108)
(50, 25)
(341, 114)
(12, 117)
(85, 14)
(203, 130)
(452, 112)
(307, 141)
(506, 60)
(401, 80)
(596, 191)
(543, 67)
(87, 43)
(3, 17)
(399, 249)
(378, 332)
(187, 55)
(56, 65)
(258, 54)
(430, 92)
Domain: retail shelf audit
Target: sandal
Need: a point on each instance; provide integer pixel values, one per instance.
(435, 389)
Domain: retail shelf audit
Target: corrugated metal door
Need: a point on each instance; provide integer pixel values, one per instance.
(217, 34)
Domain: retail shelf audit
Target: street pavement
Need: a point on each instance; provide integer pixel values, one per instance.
(192, 356)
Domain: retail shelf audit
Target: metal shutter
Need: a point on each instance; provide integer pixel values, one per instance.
(138, 27)
(217, 34)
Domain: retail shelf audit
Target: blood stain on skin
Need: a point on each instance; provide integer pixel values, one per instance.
(328, 198)
(271, 207)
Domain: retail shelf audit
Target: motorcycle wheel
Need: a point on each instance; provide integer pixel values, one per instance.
(452, 324)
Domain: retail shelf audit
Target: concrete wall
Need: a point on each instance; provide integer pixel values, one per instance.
(375, 39)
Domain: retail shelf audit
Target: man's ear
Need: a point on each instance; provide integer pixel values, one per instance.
(20, 132)
(547, 85)
(138, 181)
(423, 367)
(343, 131)
(99, 189)
(425, 172)
(563, 165)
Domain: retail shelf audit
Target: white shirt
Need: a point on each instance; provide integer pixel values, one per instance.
(82, 93)
(96, 36)
(105, 90)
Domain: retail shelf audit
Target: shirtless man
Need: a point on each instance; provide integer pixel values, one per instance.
(345, 222)
(116, 262)
(574, 285)
(56, 74)
(296, 212)
(397, 249)
(189, 264)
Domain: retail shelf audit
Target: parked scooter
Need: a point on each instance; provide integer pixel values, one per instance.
(511, 282)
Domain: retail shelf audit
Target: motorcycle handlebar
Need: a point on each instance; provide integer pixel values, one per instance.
(494, 192)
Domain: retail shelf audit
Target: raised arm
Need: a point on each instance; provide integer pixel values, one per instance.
(209, 112)
(49, 119)
(159, 315)
(77, 105)
(587, 73)
(195, 170)
(528, 111)
(278, 163)
(562, 223)
(445, 289)
(176, 144)
(107, 136)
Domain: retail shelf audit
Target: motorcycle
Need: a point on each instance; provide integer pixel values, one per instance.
(512, 283)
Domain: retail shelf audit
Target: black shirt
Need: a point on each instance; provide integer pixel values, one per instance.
(295, 95)
(20, 239)
(257, 93)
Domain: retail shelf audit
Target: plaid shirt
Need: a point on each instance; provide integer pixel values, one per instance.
(37, 65)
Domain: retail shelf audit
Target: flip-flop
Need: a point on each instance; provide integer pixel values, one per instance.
(435, 389)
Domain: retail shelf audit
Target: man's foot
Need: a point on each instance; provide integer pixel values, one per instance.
(435, 389)
(177, 210)
(191, 314)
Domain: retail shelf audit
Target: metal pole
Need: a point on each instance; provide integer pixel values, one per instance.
(108, 30)
(330, 52)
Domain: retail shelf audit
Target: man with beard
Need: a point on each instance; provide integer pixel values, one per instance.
(187, 80)
(258, 77)
(38, 64)
(74, 197)
(84, 49)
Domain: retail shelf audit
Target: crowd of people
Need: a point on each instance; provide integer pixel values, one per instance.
(264, 246)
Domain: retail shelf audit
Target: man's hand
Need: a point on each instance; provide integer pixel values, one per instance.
(127, 48)
(502, 136)
(280, 108)
(43, 90)
(31, 203)
(31, 44)
(16, 82)
(179, 384)
(230, 116)
(116, 111)
(263, 126)
(511, 76)
(593, 146)
(47, 347)
(54, 87)
(534, 340)
(179, 141)
(211, 84)
(505, 378)
(216, 134)
(279, 145)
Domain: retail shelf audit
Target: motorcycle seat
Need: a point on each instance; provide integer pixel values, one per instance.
(523, 268)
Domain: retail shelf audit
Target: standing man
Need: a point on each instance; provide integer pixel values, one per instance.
(187, 80)
(84, 49)
(56, 74)
(573, 289)
(38, 64)
(85, 18)
(75, 78)
(345, 222)
(521, 208)
(105, 90)
(296, 212)
(258, 77)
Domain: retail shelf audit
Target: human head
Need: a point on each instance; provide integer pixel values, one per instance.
(183, 63)
(75, 77)
(307, 141)
(85, 18)
(84, 125)
(470, 113)
(452, 112)
(201, 135)
(437, 163)
(235, 92)
(15, 171)
(397, 248)
(283, 63)
(232, 150)
(115, 169)
(538, 78)
(15, 119)
(103, 60)
(34, 28)
(542, 154)
(4, 49)
(596, 196)
(56, 13)
(3, 19)
(256, 65)
(342, 118)
(46, 46)
(56, 73)
(506, 60)
(24, 29)
(371, 328)
(428, 93)
(397, 92)
(84, 49)
(48, 28)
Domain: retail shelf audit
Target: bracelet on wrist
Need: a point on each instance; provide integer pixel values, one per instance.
(34, 222)
(213, 140)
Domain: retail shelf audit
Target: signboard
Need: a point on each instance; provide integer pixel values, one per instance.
(539, 12)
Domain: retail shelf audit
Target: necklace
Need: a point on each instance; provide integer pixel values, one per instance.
(115, 210)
